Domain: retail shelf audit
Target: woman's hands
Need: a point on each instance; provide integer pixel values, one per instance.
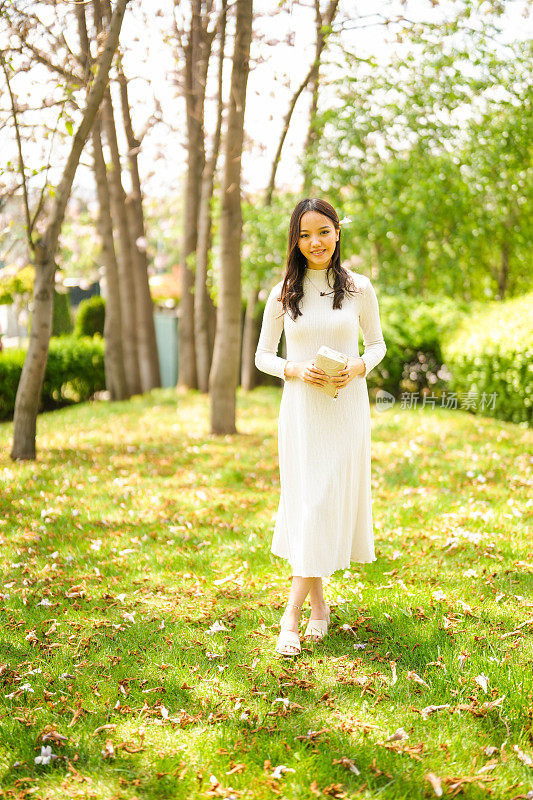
(354, 367)
(309, 373)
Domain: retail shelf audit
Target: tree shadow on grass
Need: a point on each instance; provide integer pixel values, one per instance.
(115, 671)
(242, 708)
(305, 739)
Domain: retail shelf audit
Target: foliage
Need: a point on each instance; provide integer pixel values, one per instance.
(11, 362)
(74, 372)
(265, 238)
(140, 609)
(430, 156)
(491, 353)
(16, 285)
(62, 319)
(412, 330)
(90, 318)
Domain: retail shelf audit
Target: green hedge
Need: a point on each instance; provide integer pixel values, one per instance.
(90, 317)
(491, 355)
(74, 372)
(412, 330)
(62, 319)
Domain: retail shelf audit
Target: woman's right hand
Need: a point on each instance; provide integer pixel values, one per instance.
(307, 372)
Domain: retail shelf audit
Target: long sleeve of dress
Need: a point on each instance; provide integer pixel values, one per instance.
(266, 358)
(375, 347)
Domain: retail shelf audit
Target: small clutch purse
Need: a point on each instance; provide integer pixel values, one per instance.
(331, 361)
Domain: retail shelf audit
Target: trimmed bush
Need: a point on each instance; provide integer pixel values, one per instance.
(11, 362)
(62, 319)
(490, 357)
(74, 372)
(413, 331)
(90, 317)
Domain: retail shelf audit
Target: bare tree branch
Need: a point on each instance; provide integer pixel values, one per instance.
(22, 169)
(45, 184)
(43, 58)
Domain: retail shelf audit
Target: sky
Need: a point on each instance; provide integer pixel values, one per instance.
(282, 52)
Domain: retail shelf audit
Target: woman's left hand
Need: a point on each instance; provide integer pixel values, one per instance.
(354, 367)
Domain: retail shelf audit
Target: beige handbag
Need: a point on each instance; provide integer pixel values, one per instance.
(331, 361)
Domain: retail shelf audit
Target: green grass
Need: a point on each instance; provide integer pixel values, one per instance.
(140, 530)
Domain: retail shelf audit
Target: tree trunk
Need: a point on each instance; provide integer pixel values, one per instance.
(119, 217)
(148, 357)
(224, 376)
(115, 373)
(31, 381)
(195, 75)
(203, 304)
(249, 344)
(126, 267)
(212, 327)
(114, 355)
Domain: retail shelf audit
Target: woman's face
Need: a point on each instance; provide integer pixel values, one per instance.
(317, 240)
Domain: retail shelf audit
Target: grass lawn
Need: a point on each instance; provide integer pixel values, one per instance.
(141, 604)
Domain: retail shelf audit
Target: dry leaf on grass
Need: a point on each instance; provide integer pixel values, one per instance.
(398, 735)
(456, 784)
(346, 762)
(49, 734)
(482, 681)
(412, 676)
(130, 747)
(109, 750)
(277, 773)
(236, 768)
(436, 783)
(425, 712)
(216, 627)
(109, 727)
(524, 758)
(76, 591)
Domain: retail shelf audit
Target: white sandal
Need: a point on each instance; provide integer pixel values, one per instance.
(288, 643)
(317, 628)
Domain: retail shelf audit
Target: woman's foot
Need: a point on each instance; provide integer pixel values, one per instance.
(317, 627)
(288, 643)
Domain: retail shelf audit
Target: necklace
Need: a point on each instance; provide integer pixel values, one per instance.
(322, 294)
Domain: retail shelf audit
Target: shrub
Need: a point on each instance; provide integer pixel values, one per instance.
(62, 319)
(490, 356)
(90, 317)
(413, 329)
(11, 362)
(74, 372)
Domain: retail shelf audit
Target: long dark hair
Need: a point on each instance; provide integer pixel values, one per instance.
(339, 278)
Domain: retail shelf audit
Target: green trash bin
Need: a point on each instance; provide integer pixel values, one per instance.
(166, 334)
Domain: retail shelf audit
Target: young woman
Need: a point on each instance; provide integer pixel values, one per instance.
(324, 518)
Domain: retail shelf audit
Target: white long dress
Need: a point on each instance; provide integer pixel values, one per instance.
(324, 518)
